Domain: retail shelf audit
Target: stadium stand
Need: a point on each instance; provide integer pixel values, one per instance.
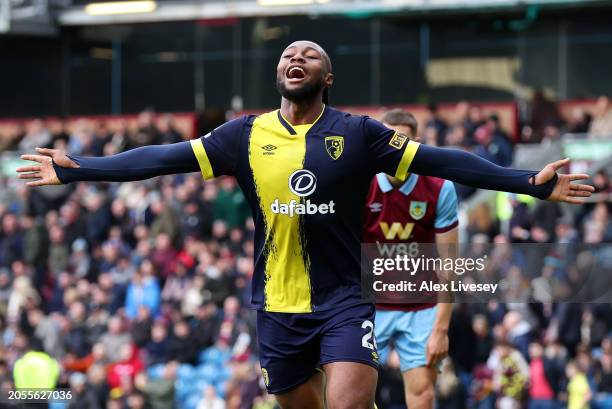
(140, 291)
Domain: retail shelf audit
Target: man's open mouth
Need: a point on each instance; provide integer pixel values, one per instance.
(295, 74)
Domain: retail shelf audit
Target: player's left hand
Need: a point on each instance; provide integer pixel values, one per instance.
(564, 190)
(437, 347)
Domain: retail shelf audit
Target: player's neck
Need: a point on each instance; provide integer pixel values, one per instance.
(396, 183)
(301, 113)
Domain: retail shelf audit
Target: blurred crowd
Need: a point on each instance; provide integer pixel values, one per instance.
(544, 340)
(136, 295)
(469, 128)
(138, 291)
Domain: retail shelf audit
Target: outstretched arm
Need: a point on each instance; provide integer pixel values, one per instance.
(213, 155)
(469, 169)
(55, 167)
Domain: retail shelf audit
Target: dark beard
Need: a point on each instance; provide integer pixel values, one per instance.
(307, 92)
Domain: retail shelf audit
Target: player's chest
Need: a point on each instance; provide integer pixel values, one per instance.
(394, 210)
(329, 158)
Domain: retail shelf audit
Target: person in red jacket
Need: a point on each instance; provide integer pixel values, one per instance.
(126, 369)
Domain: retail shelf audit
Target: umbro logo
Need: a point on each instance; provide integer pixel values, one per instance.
(375, 207)
(269, 149)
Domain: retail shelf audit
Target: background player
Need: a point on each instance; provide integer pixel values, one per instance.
(423, 209)
(307, 281)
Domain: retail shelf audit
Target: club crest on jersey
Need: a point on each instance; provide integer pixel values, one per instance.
(334, 145)
(417, 209)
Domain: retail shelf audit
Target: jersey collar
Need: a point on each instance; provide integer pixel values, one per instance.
(406, 188)
(304, 128)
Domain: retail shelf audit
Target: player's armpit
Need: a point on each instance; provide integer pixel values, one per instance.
(136, 164)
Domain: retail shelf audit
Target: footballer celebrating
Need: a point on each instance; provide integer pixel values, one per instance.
(421, 209)
(305, 170)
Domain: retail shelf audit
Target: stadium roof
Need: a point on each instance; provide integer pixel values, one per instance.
(170, 10)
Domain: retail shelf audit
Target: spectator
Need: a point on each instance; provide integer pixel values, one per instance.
(436, 122)
(193, 297)
(166, 221)
(120, 140)
(79, 261)
(493, 143)
(157, 347)
(181, 346)
(167, 130)
(603, 397)
(21, 294)
(230, 204)
(141, 328)
(46, 331)
(484, 339)
(601, 125)
(474, 120)
(580, 121)
(451, 392)
(35, 369)
(159, 392)
(59, 253)
(164, 255)
(579, 392)
(11, 240)
(96, 376)
(35, 245)
(83, 396)
(115, 339)
(75, 337)
(147, 133)
(210, 400)
(457, 137)
(97, 356)
(137, 401)
(194, 220)
(73, 225)
(544, 112)
(143, 290)
(36, 136)
(541, 394)
(121, 374)
(176, 285)
(120, 217)
(205, 325)
(98, 218)
(510, 375)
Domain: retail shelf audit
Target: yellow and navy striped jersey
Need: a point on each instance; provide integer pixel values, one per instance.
(306, 185)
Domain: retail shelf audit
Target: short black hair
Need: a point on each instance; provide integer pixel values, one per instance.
(400, 116)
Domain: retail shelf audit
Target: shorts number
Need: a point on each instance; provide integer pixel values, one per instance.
(413, 250)
(369, 336)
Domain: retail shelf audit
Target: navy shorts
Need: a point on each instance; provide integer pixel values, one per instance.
(292, 347)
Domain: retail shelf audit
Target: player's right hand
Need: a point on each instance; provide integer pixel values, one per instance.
(44, 172)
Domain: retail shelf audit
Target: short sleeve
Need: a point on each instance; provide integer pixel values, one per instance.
(390, 152)
(446, 211)
(217, 152)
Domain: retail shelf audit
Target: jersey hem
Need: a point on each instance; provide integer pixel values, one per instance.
(312, 310)
(404, 307)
